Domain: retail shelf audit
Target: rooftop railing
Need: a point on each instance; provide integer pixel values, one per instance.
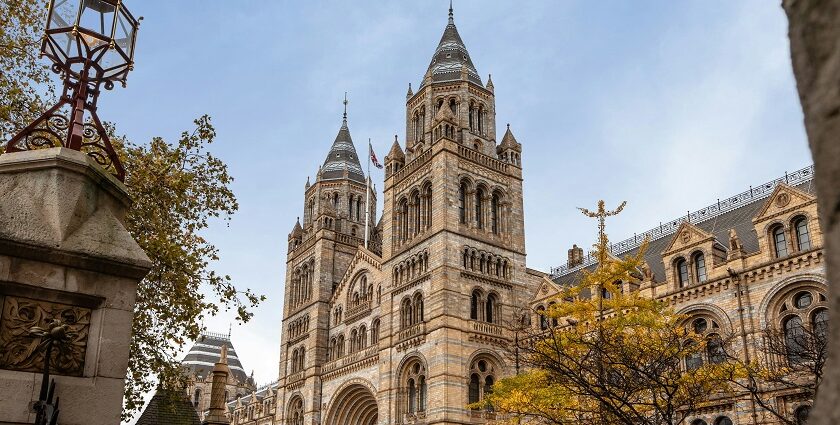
(722, 206)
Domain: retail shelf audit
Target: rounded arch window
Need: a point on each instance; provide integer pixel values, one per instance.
(803, 299)
(698, 422)
(700, 325)
(296, 411)
(723, 420)
(682, 272)
(700, 267)
(779, 241)
(543, 319)
(801, 414)
(482, 377)
(414, 387)
(803, 235)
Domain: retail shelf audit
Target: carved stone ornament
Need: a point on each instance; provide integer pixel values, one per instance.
(782, 199)
(22, 351)
(686, 236)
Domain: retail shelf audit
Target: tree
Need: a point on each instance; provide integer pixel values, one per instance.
(611, 356)
(177, 189)
(25, 83)
(791, 362)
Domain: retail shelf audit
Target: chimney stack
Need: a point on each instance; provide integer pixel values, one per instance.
(575, 256)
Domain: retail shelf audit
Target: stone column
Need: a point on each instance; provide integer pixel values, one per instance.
(814, 30)
(65, 254)
(218, 408)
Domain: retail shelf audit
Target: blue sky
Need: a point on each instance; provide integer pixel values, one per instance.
(668, 105)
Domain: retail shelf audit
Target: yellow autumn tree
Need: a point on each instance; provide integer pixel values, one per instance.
(605, 355)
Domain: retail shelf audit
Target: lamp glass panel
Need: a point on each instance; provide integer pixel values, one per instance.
(124, 32)
(113, 62)
(63, 14)
(98, 16)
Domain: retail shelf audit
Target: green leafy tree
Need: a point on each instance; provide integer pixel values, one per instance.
(178, 188)
(602, 355)
(25, 81)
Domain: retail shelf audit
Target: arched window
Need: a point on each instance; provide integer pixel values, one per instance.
(794, 334)
(462, 202)
(418, 308)
(543, 319)
(682, 272)
(481, 120)
(475, 302)
(714, 349)
(453, 107)
(427, 206)
(700, 267)
(801, 414)
(820, 323)
(415, 206)
(335, 199)
(698, 422)
(296, 411)
(494, 213)
(197, 397)
(374, 332)
(482, 378)
(414, 388)
(479, 199)
(803, 236)
(694, 359)
(491, 308)
(406, 313)
(723, 420)
(358, 209)
(780, 242)
(350, 204)
(475, 388)
(294, 360)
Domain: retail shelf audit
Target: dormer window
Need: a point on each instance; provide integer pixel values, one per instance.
(682, 272)
(779, 241)
(803, 236)
(700, 267)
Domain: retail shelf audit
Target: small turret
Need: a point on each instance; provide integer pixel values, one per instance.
(510, 150)
(218, 406)
(410, 92)
(395, 158)
(490, 85)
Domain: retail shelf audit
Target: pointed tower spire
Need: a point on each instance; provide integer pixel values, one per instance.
(449, 56)
(410, 92)
(342, 160)
(345, 110)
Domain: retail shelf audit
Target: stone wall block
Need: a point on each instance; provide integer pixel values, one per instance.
(16, 393)
(114, 343)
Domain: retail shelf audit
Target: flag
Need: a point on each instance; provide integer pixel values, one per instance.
(373, 157)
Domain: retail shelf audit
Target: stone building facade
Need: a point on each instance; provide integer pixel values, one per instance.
(736, 268)
(409, 330)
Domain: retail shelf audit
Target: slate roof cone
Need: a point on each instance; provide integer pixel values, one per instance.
(450, 55)
(342, 156)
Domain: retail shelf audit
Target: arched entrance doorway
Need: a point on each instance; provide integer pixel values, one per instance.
(354, 405)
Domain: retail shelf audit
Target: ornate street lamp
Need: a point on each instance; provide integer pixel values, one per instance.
(91, 45)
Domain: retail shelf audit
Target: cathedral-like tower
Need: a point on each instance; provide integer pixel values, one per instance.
(320, 249)
(412, 329)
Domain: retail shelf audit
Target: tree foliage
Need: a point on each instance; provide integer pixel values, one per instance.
(178, 188)
(788, 363)
(606, 355)
(25, 81)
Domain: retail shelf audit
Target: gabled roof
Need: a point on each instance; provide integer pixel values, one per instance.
(509, 142)
(342, 156)
(166, 408)
(207, 351)
(450, 55)
(739, 218)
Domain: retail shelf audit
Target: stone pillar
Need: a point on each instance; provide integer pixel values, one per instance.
(65, 254)
(218, 406)
(814, 30)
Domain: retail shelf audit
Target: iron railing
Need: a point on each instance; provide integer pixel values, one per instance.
(667, 228)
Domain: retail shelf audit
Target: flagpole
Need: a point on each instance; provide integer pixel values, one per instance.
(367, 196)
